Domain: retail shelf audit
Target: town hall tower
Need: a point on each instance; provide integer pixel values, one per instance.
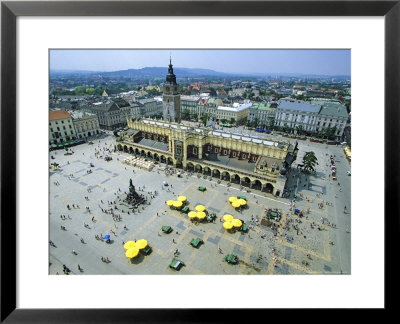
(171, 97)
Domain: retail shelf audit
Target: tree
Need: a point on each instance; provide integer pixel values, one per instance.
(186, 114)
(330, 132)
(204, 119)
(232, 121)
(255, 122)
(310, 161)
(193, 116)
(80, 90)
(300, 129)
(271, 123)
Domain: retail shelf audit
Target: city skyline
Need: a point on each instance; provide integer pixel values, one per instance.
(315, 62)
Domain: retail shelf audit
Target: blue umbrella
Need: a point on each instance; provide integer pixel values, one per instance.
(106, 237)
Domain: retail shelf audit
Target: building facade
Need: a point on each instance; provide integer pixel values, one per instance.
(150, 107)
(171, 97)
(190, 104)
(109, 115)
(332, 115)
(250, 161)
(86, 124)
(313, 117)
(237, 112)
(262, 113)
(209, 107)
(297, 114)
(61, 127)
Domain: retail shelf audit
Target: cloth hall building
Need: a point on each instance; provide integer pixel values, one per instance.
(243, 159)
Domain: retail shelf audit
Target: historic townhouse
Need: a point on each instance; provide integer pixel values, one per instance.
(61, 127)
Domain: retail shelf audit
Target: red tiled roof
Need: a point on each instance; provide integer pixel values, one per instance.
(59, 114)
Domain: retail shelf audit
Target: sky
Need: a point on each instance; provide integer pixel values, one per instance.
(321, 62)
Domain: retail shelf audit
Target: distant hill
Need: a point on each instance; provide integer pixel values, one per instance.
(146, 72)
(154, 72)
(160, 72)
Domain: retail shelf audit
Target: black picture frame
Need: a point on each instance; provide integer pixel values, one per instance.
(10, 10)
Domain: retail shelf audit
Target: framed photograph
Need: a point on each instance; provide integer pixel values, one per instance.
(139, 137)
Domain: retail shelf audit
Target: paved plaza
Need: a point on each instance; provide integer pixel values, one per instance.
(328, 248)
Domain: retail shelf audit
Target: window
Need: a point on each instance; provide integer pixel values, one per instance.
(58, 128)
(62, 122)
(51, 129)
(224, 152)
(234, 154)
(194, 150)
(216, 150)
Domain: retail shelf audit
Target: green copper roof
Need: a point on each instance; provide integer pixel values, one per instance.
(262, 106)
(333, 109)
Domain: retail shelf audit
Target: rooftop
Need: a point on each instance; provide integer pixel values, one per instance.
(154, 144)
(104, 106)
(236, 107)
(190, 98)
(82, 115)
(209, 131)
(299, 106)
(262, 106)
(334, 110)
(59, 114)
(144, 101)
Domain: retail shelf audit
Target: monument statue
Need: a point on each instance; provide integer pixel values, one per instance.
(133, 198)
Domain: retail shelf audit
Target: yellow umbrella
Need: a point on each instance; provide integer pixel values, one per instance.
(177, 204)
(227, 225)
(232, 199)
(236, 204)
(192, 214)
(236, 222)
(141, 244)
(170, 202)
(200, 208)
(201, 215)
(132, 252)
(227, 218)
(242, 202)
(182, 198)
(129, 245)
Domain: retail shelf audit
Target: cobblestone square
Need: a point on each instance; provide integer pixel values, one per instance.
(328, 247)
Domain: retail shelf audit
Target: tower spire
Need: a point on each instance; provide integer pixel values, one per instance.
(171, 78)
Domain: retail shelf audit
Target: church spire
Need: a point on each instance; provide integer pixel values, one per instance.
(171, 78)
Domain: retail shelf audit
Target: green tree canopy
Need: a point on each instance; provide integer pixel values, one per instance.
(310, 161)
(186, 114)
(204, 119)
